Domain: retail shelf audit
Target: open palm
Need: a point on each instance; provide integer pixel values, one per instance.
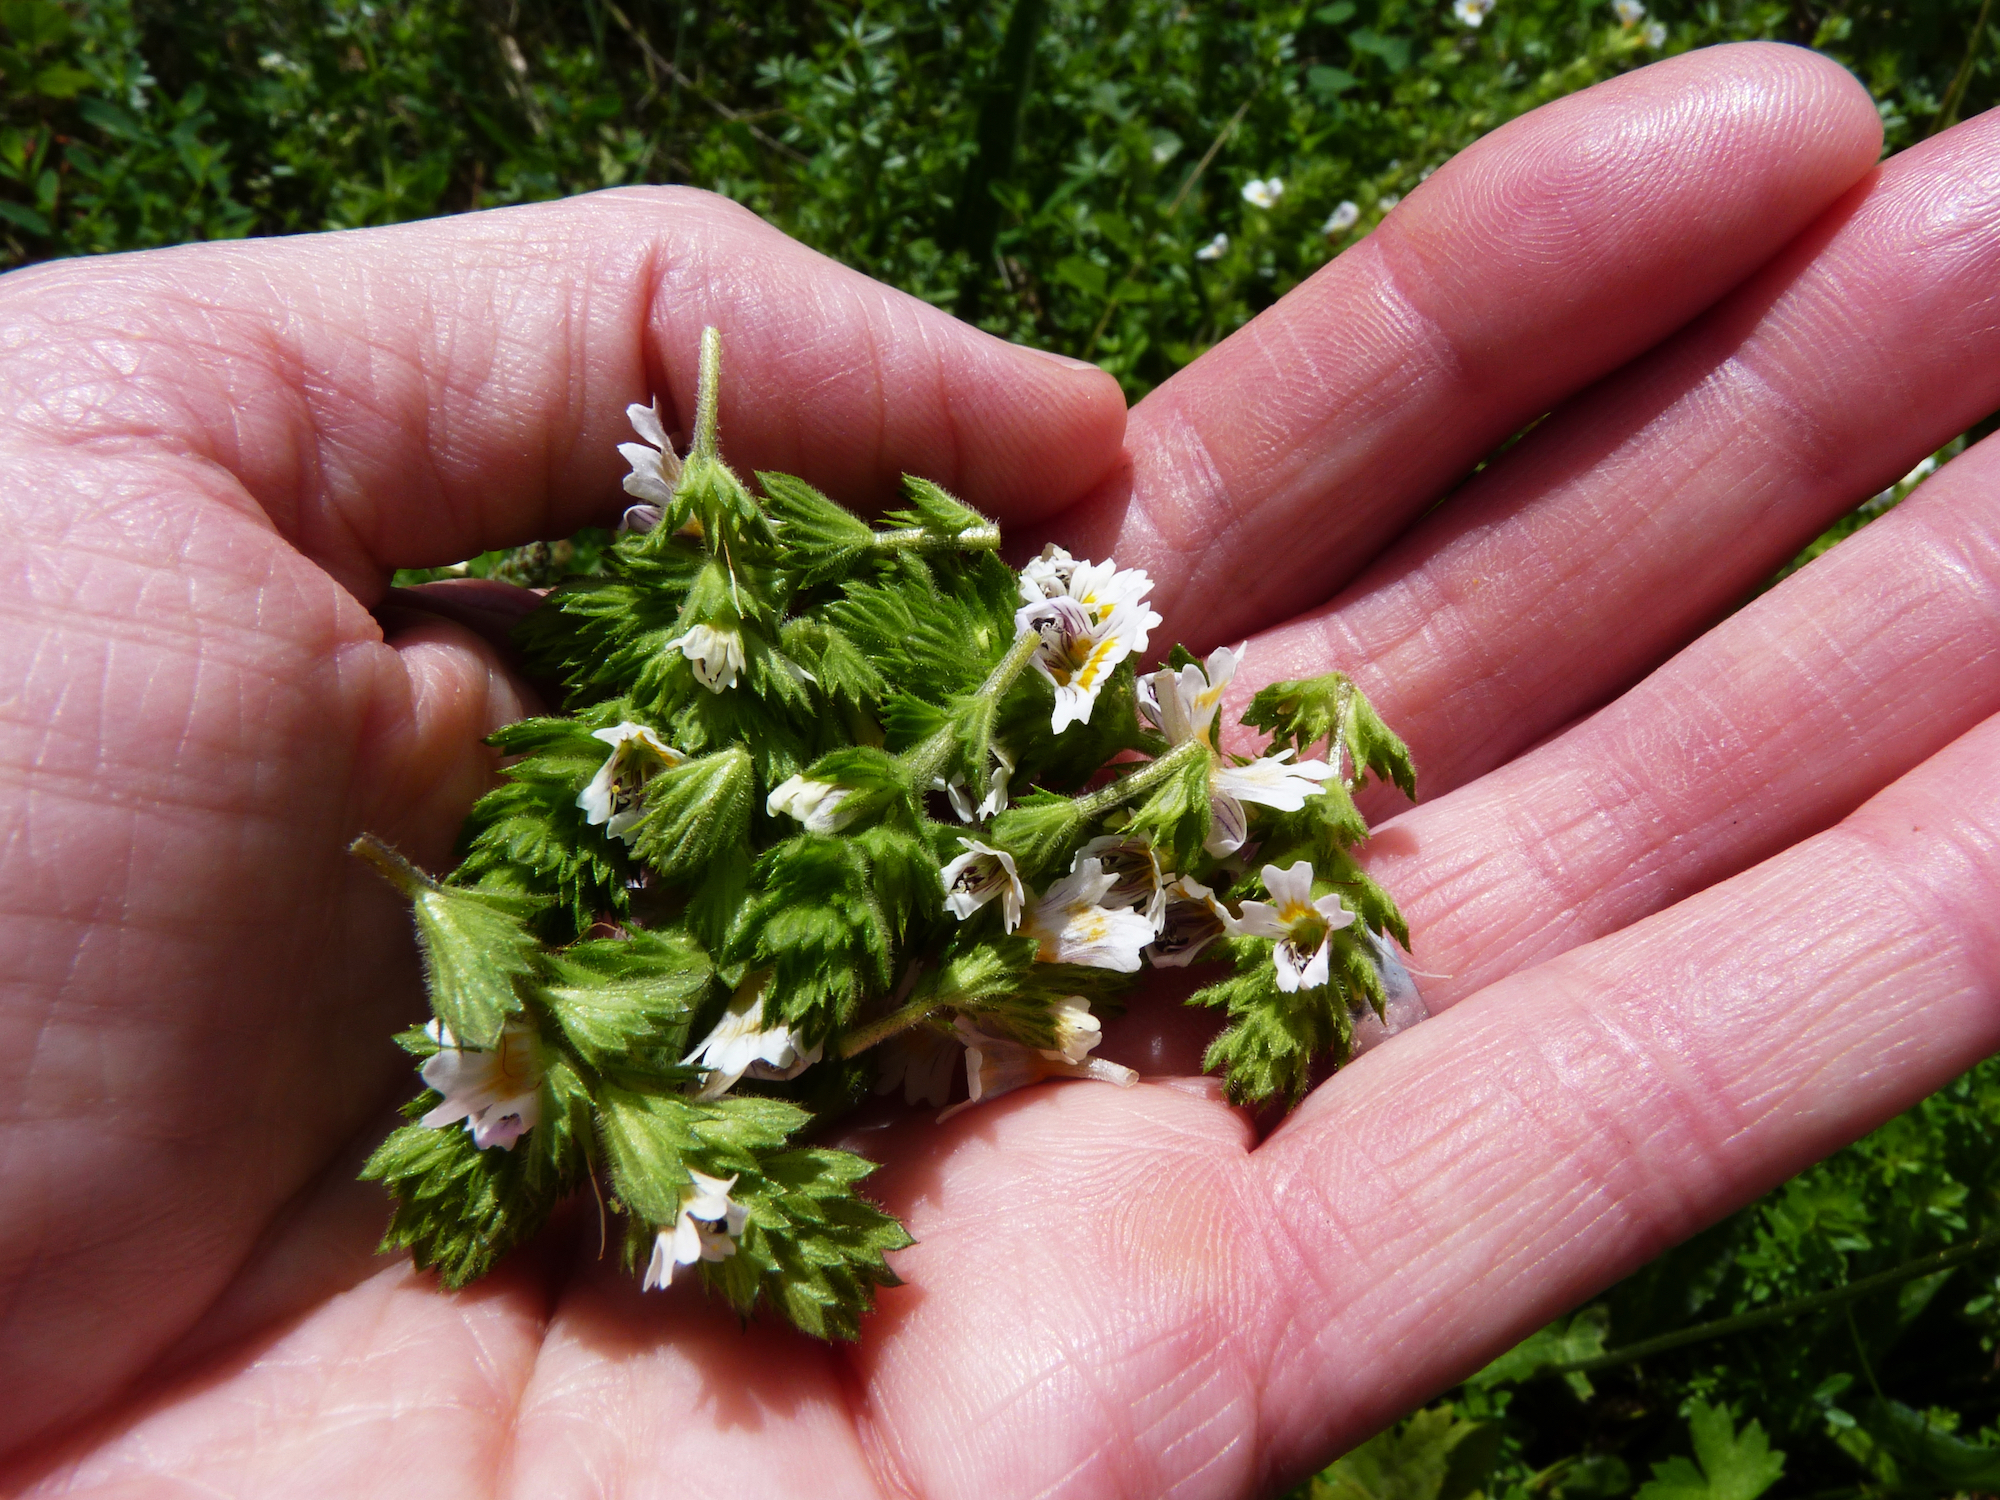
(1717, 897)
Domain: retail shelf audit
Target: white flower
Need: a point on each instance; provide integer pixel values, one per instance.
(817, 804)
(1215, 249)
(921, 1060)
(1077, 1030)
(1472, 12)
(1348, 214)
(1192, 920)
(996, 795)
(977, 876)
(716, 655)
(708, 1228)
(1091, 616)
(1402, 1005)
(1302, 926)
(741, 1044)
(1072, 926)
(1263, 192)
(655, 468)
(1183, 705)
(1134, 865)
(1388, 201)
(996, 1066)
(1655, 34)
(1629, 12)
(637, 755)
(497, 1091)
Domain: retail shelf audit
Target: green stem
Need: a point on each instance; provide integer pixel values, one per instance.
(858, 1042)
(391, 866)
(1909, 1270)
(929, 758)
(916, 539)
(1127, 788)
(1954, 96)
(707, 395)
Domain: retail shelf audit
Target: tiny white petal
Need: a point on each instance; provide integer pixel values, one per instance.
(1347, 214)
(496, 1091)
(715, 654)
(1215, 249)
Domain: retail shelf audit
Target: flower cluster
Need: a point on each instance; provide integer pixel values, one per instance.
(834, 802)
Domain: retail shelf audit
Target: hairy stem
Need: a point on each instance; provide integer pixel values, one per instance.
(707, 396)
(1128, 788)
(859, 1041)
(929, 758)
(916, 539)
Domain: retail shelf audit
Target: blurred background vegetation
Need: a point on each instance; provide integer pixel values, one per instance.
(1073, 173)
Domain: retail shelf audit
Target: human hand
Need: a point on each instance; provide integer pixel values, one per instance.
(217, 454)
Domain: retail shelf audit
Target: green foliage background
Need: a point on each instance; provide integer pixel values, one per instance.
(1049, 168)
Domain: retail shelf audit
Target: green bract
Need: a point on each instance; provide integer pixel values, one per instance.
(839, 807)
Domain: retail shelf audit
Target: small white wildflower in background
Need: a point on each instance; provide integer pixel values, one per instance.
(1263, 192)
(741, 1044)
(1342, 219)
(996, 1066)
(921, 1060)
(715, 654)
(1472, 12)
(496, 1090)
(1072, 926)
(709, 1225)
(1091, 616)
(1656, 34)
(1215, 249)
(820, 805)
(1388, 201)
(1629, 12)
(612, 797)
(977, 876)
(1303, 927)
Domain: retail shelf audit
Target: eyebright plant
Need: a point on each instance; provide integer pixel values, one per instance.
(781, 853)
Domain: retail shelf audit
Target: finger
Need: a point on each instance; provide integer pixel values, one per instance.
(1549, 253)
(418, 394)
(391, 1388)
(1774, 725)
(1639, 513)
(1450, 1193)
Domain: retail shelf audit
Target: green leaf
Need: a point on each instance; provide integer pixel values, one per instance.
(935, 510)
(1921, 1447)
(818, 539)
(621, 1001)
(1304, 713)
(813, 1244)
(476, 947)
(1733, 1465)
(818, 921)
(1175, 817)
(23, 217)
(528, 835)
(1273, 1036)
(1565, 1341)
(459, 1209)
(694, 812)
(1041, 831)
(1431, 1455)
